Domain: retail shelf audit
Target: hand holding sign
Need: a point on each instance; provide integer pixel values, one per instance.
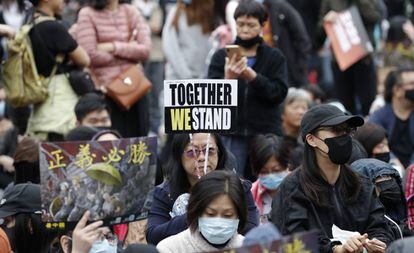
(84, 235)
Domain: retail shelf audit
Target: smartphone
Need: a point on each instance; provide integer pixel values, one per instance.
(234, 50)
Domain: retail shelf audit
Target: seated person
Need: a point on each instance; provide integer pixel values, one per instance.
(217, 213)
(326, 192)
(388, 187)
(93, 111)
(397, 116)
(269, 159)
(185, 167)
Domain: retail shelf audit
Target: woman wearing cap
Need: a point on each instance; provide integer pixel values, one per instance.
(326, 192)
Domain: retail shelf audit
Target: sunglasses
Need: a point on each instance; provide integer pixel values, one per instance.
(195, 152)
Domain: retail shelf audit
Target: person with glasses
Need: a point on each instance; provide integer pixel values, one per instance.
(269, 159)
(261, 72)
(190, 154)
(325, 191)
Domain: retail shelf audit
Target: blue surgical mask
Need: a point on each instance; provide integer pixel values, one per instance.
(103, 247)
(272, 181)
(187, 2)
(217, 230)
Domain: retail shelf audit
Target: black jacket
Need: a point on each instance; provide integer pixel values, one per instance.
(290, 36)
(293, 211)
(258, 101)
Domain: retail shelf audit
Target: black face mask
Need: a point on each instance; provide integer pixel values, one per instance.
(340, 148)
(248, 43)
(409, 94)
(390, 193)
(385, 157)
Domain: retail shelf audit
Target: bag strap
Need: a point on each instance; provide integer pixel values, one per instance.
(59, 57)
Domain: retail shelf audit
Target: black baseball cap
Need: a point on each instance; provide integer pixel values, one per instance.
(20, 198)
(326, 115)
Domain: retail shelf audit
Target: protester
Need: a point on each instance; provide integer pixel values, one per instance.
(54, 118)
(374, 139)
(326, 192)
(116, 37)
(185, 38)
(217, 213)
(92, 110)
(288, 33)
(21, 210)
(397, 116)
(348, 86)
(388, 187)
(269, 159)
(186, 164)
(262, 80)
(91, 238)
(294, 107)
(26, 161)
(154, 67)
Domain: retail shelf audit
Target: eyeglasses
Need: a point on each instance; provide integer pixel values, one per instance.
(195, 152)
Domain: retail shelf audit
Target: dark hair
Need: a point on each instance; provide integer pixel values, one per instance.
(26, 161)
(394, 78)
(35, 2)
(36, 239)
(81, 133)
(263, 147)
(99, 4)
(252, 9)
(314, 186)
(88, 103)
(177, 176)
(370, 135)
(211, 186)
(395, 32)
(316, 92)
(358, 151)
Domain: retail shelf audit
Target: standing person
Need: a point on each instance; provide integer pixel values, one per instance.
(154, 68)
(55, 117)
(288, 33)
(326, 192)
(358, 82)
(397, 116)
(269, 159)
(217, 213)
(168, 214)
(116, 37)
(262, 80)
(186, 38)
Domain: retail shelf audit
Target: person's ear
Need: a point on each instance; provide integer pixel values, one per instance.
(64, 243)
(311, 140)
(398, 90)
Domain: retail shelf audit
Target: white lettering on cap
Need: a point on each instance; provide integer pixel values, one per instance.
(2, 202)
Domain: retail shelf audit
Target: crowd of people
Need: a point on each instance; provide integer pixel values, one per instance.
(316, 147)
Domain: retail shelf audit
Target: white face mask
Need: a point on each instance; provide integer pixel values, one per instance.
(103, 247)
(217, 230)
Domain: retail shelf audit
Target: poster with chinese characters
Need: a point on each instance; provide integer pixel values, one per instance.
(114, 180)
(298, 243)
(350, 41)
(200, 105)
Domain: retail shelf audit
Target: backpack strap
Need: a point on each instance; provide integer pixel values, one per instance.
(60, 57)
